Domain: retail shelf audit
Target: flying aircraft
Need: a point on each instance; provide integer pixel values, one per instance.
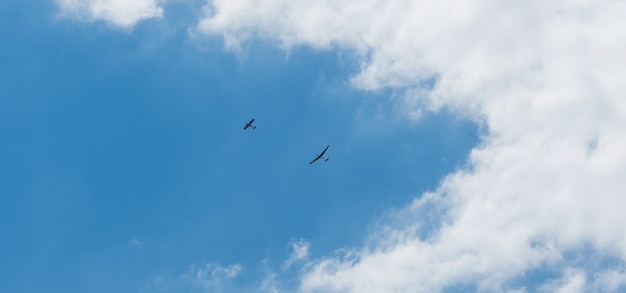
(249, 124)
(321, 156)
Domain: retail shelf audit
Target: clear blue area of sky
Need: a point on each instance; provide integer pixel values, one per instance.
(108, 137)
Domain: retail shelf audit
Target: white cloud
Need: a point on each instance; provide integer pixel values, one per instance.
(269, 283)
(273, 282)
(547, 80)
(299, 252)
(211, 275)
(572, 282)
(611, 280)
(120, 13)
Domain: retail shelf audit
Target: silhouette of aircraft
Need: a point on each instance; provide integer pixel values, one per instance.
(321, 156)
(249, 124)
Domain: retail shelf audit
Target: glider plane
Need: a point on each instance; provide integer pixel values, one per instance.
(249, 124)
(320, 156)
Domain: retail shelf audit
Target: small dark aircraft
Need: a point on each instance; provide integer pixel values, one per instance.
(321, 156)
(249, 124)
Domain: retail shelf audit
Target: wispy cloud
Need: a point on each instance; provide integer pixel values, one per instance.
(299, 252)
(573, 281)
(546, 80)
(120, 13)
(211, 275)
(280, 279)
(136, 243)
(610, 280)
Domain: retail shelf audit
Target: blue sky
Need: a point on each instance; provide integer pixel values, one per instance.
(123, 161)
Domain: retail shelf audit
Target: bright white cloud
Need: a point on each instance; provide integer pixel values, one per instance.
(121, 13)
(547, 80)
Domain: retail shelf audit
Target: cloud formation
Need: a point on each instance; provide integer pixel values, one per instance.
(299, 252)
(546, 78)
(545, 187)
(211, 275)
(120, 13)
